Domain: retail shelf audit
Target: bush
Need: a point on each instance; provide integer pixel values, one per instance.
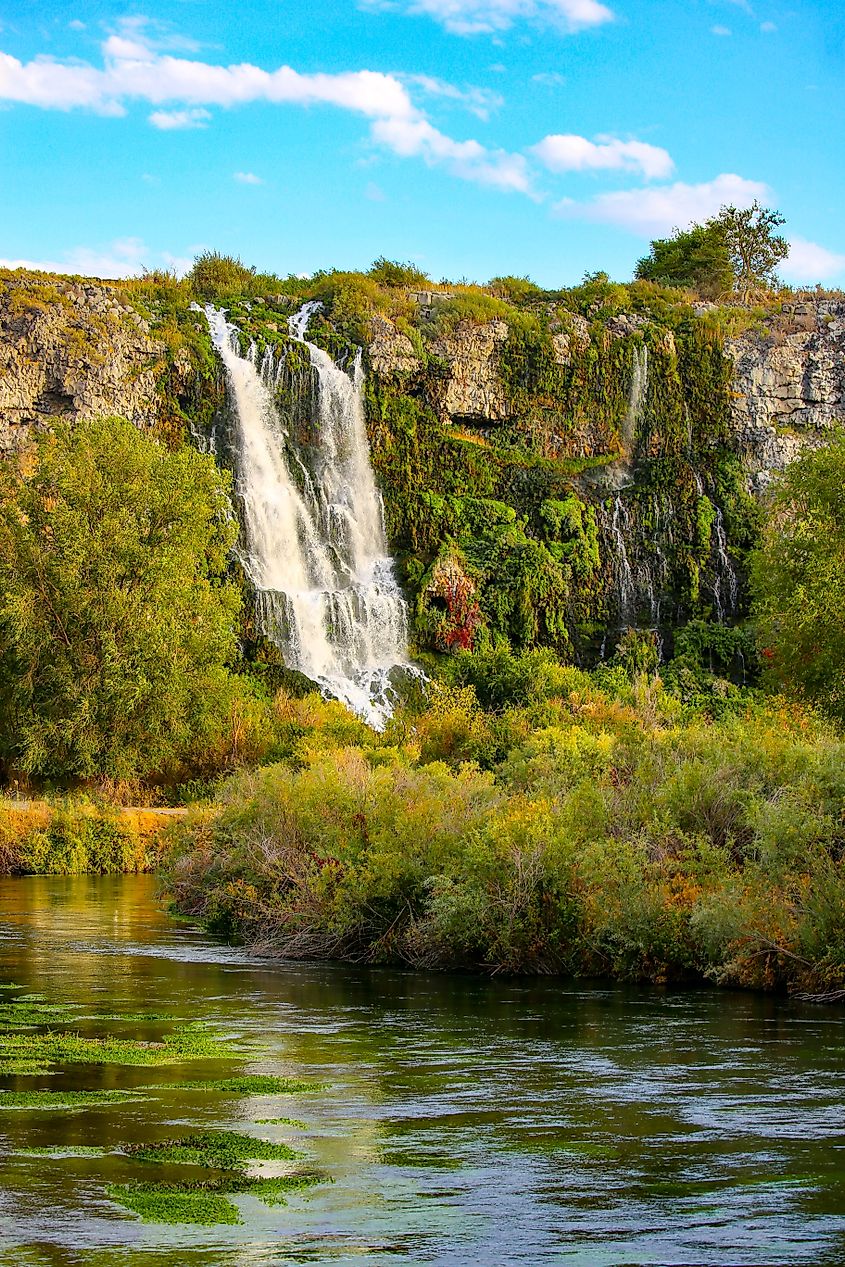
(75, 836)
(609, 839)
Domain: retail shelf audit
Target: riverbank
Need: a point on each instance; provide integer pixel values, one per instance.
(606, 833)
(75, 835)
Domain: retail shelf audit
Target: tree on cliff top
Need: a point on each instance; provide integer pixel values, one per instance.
(735, 252)
(115, 622)
(798, 579)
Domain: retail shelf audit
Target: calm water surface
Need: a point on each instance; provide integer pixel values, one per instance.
(465, 1121)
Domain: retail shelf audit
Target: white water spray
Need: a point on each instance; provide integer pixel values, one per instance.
(726, 584)
(313, 540)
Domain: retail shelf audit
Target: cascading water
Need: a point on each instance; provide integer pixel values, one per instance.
(313, 540)
(625, 585)
(726, 584)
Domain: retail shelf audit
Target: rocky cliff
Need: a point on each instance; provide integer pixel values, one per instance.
(72, 350)
(788, 385)
(553, 474)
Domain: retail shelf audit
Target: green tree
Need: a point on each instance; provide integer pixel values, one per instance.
(695, 259)
(735, 252)
(798, 581)
(754, 247)
(115, 621)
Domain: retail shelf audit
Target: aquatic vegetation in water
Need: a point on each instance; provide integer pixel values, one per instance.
(19, 1013)
(60, 1150)
(174, 1203)
(223, 1150)
(281, 1121)
(132, 1017)
(188, 1043)
(204, 1202)
(254, 1084)
(64, 1099)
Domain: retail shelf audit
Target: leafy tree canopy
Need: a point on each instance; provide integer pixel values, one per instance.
(736, 252)
(115, 621)
(697, 260)
(798, 578)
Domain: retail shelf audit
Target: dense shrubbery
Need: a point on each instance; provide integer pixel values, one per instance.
(613, 832)
(76, 836)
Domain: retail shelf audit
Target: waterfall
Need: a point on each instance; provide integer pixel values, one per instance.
(636, 399)
(725, 584)
(313, 542)
(625, 585)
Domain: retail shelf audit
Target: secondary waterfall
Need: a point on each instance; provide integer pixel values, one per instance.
(313, 542)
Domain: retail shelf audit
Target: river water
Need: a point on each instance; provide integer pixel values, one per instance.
(464, 1120)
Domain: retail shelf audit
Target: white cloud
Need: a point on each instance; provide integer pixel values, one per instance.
(570, 153)
(656, 211)
(76, 25)
(485, 17)
(479, 101)
(470, 160)
(768, 28)
(809, 262)
(133, 70)
(247, 178)
(179, 120)
(125, 257)
(722, 31)
(549, 79)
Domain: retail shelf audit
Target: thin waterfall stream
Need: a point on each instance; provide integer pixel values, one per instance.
(313, 542)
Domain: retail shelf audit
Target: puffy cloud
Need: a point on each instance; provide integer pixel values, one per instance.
(658, 210)
(570, 153)
(418, 138)
(247, 178)
(480, 17)
(809, 262)
(721, 31)
(125, 257)
(133, 70)
(479, 101)
(178, 120)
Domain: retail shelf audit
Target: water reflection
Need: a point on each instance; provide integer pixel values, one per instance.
(467, 1121)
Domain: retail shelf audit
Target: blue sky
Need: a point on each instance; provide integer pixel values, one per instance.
(475, 137)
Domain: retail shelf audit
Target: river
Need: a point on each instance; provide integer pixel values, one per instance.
(463, 1121)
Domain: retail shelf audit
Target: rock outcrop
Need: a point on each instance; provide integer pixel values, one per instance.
(466, 385)
(71, 349)
(789, 386)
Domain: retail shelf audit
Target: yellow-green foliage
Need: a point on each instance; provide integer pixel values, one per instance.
(76, 836)
(611, 831)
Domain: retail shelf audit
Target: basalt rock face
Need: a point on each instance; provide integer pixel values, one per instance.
(789, 386)
(71, 350)
(550, 476)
